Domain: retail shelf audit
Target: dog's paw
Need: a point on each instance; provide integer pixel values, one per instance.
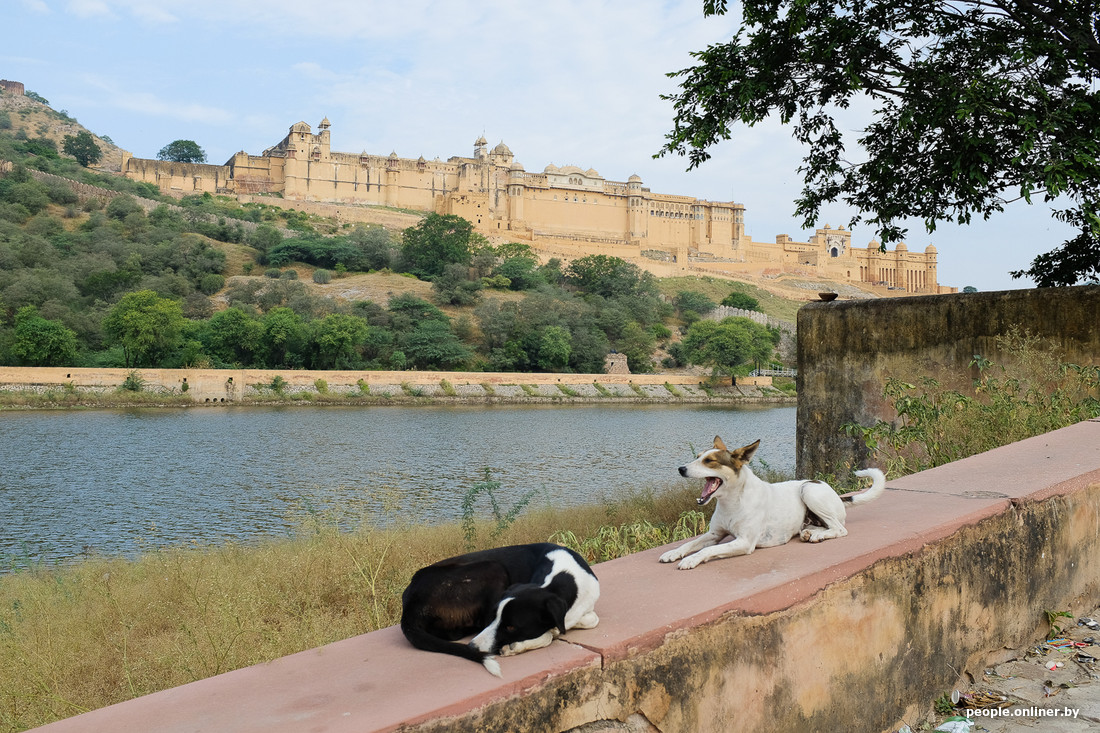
(509, 650)
(689, 562)
(587, 621)
(670, 556)
(814, 535)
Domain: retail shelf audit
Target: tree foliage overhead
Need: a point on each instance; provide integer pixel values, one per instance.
(977, 103)
(182, 151)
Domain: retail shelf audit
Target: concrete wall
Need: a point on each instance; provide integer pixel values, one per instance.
(847, 350)
(229, 385)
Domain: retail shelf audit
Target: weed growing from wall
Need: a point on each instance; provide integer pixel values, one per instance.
(1032, 393)
(134, 382)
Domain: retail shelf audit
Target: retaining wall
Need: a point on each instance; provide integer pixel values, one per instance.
(847, 350)
(231, 385)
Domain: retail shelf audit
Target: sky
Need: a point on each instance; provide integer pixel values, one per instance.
(569, 82)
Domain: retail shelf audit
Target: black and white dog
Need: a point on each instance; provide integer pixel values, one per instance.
(514, 599)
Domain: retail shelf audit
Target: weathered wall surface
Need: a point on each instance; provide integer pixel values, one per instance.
(859, 656)
(846, 351)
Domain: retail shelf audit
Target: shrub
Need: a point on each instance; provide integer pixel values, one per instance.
(211, 283)
(134, 382)
(1034, 392)
(122, 206)
(742, 301)
(273, 272)
(322, 277)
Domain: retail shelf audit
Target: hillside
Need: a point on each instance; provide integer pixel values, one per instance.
(33, 119)
(92, 263)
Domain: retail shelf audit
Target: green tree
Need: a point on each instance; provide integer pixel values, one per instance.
(234, 337)
(433, 345)
(284, 337)
(182, 151)
(690, 300)
(437, 241)
(40, 342)
(553, 349)
(146, 325)
(522, 271)
(338, 339)
(609, 276)
(727, 345)
(637, 343)
(83, 147)
(453, 286)
(375, 245)
(741, 300)
(977, 103)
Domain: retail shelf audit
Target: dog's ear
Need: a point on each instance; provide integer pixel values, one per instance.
(718, 443)
(555, 610)
(745, 454)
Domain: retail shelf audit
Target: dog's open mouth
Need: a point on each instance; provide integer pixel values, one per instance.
(712, 484)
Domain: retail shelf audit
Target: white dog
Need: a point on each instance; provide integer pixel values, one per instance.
(760, 514)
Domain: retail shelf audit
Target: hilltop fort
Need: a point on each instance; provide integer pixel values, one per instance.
(567, 212)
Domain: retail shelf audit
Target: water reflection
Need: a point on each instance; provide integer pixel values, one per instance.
(118, 482)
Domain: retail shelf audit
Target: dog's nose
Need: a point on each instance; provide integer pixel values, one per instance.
(683, 470)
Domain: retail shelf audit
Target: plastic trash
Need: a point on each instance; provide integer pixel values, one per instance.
(955, 724)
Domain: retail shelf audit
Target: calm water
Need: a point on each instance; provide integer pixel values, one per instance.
(123, 481)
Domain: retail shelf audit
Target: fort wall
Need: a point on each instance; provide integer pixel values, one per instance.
(12, 87)
(567, 204)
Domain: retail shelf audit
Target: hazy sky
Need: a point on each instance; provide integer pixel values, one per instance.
(569, 82)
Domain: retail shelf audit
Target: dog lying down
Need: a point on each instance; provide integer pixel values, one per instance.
(514, 599)
(761, 514)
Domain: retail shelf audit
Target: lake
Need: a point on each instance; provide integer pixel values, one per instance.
(117, 482)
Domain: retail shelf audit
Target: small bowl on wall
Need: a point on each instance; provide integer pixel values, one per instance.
(827, 296)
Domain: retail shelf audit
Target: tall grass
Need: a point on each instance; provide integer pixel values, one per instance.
(944, 419)
(74, 638)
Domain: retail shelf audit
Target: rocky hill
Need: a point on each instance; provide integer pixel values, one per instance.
(34, 119)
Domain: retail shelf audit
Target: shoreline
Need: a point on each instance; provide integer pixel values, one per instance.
(58, 387)
(29, 398)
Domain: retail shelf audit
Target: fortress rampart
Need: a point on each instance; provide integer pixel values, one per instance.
(562, 211)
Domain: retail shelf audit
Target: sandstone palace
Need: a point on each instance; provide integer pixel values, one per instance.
(566, 212)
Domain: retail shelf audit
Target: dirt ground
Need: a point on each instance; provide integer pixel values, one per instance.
(1052, 686)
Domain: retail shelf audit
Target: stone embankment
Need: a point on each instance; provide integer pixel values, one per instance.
(251, 386)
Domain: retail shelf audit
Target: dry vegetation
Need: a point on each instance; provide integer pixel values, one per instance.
(102, 631)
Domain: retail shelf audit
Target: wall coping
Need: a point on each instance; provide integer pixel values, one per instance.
(376, 683)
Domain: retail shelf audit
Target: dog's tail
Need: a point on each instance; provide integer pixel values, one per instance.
(878, 485)
(421, 639)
